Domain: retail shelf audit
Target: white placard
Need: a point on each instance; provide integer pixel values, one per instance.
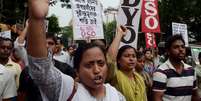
(194, 52)
(179, 28)
(6, 34)
(87, 19)
(129, 16)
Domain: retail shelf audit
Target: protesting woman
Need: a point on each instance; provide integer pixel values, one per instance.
(89, 61)
(122, 73)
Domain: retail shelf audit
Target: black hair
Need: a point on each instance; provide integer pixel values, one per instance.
(146, 50)
(51, 36)
(172, 39)
(6, 39)
(139, 55)
(199, 55)
(73, 46)
(81, 50)
(65, 68)
(120, 52)
(102, 40)
(188, 51)
(139, 48)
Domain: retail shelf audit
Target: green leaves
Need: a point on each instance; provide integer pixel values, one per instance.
(109, 31)
(53, 24)
(65, 3)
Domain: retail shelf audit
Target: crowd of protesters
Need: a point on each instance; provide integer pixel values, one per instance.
(37, 67)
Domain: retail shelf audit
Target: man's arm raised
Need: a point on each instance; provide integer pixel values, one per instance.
(53, 84)
(38, 10)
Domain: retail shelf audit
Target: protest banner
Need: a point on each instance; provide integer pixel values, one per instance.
(150, 17)
(179, 28)
(87, 19)
(129, 16)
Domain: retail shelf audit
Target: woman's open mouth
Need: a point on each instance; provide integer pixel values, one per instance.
(98, 79)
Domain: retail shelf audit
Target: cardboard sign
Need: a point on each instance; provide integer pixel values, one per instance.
(129, 16)
(6, 34)
(179, 28)
(87, 19)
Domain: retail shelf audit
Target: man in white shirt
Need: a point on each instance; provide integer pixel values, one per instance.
(6, 47)
(61, 55)
(8, 90)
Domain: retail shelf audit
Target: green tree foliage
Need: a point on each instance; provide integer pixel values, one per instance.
(53, 25)
(15, 11)
(65, 3)
(66, 34)
(67, 31)
(181, 11)
(12, 12)
(109, 31)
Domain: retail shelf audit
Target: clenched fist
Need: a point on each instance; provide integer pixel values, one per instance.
(38, 9)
